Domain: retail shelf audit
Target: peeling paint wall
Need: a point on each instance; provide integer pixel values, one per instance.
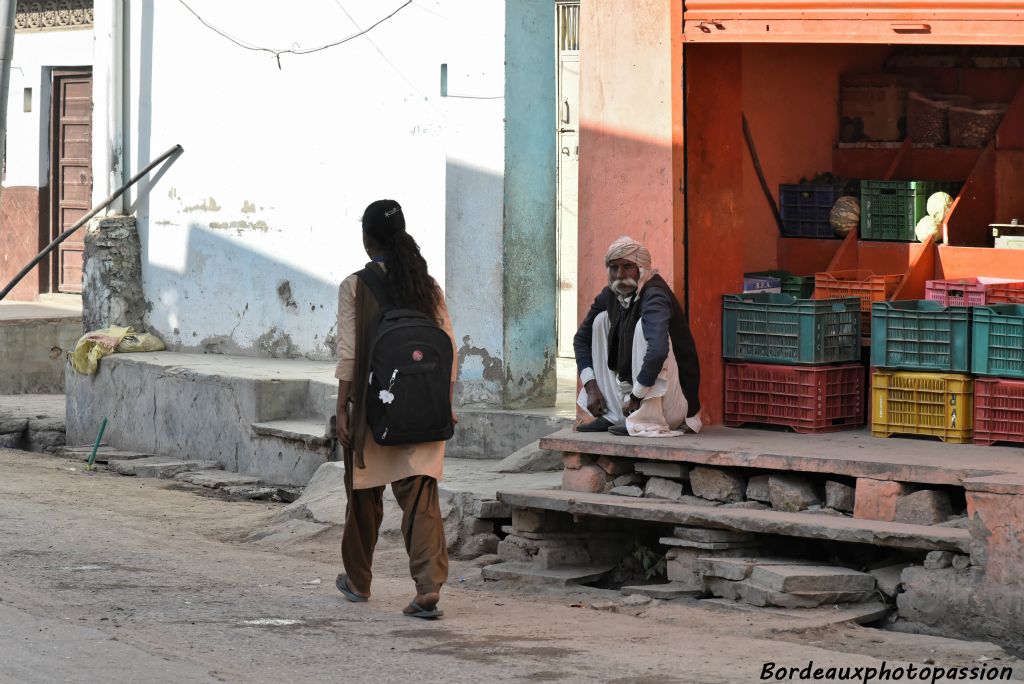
(248, 234)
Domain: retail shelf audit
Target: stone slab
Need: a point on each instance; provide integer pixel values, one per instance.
(106, 455)
(858, 613)
(890, 578)
(635, 492)
(530, 459)
(707, 535)
(491, 509)
(758, 595)
(874, 532)
(530, 573)
(159, 466)
(218, 479)
(853, 453)
(716, 484)
(660, 488)
(736, 569)
(811, 578)
(309, 431)
(704, 546)
(664, 592)
(669, 471)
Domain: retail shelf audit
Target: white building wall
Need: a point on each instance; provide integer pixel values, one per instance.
(247, 234)
(35, 54)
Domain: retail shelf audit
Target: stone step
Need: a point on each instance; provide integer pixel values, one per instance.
(310, 431)
(531, 573)
(810, 618)
(665, 592)
(706, 546)
(874, 532)
(217, 479)
(159, 466)
(104, 454)
(740, 568)
(756, 594)
(804, 578)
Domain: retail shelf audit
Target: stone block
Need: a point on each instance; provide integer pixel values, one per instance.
(159, 466)
(961, 562)
(475, 526)
(890, 578)
(792, 493)
(629, 480)
(216, 479)
(745, 505)
(491, 509)
(722, 588)
(530, 459)
(587, 478)
(938, 560)
(717, 485)
(926, 507)
(627, 491)
(757, 488)
(758, 595)
(839, 496)
(697, 501)
(662, 592)
(876, 499)
(574, 461)
(811, 578)
(705, 546)
(660, 488)
(614, 466)
(737, 568)
(700, 534)
(666, 469)
(527, 519)
(323, 499)
(477, 545)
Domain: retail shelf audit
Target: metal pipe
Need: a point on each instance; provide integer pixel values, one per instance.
(177, 149)
(8, 15)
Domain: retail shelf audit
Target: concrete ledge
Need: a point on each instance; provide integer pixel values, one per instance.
(311, 432)
(877, 533)
(494, 434)
(34, 338)
(855, 454)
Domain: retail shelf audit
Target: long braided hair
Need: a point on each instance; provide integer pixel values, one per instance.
(409, 282)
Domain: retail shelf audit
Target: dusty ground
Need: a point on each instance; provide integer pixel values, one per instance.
(106, 578)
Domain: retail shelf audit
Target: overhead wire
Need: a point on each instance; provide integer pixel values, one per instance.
(292, 50)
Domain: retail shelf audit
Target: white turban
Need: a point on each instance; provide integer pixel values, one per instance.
(631, 250)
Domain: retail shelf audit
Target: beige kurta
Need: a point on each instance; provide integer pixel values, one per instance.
(384, 464)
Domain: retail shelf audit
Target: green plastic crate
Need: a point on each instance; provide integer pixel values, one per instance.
(921, 335)
(779, 328)
(998, 340)
(890, 210)
(801, 287)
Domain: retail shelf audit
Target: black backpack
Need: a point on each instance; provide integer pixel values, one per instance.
(408, 398)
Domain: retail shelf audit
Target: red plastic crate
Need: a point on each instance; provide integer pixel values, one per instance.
(804, 398)
(998, 411)
(971, 292)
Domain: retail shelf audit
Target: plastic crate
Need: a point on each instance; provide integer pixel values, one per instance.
(778, 328)
(890, 210)
(866, 285)
(936, 404)
(921, 335)
(801, 287)
(973, 292)
(998, 411)
(804, 209)
(998, 340)
(754, 284)
(806, 399)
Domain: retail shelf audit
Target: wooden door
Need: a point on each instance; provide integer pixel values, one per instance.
(567, 130)
(70, 172)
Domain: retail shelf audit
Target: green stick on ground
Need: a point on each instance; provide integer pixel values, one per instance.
(99, 438)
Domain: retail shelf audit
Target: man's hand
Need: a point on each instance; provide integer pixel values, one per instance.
(595, 400)
(632, 405)
(455, 418)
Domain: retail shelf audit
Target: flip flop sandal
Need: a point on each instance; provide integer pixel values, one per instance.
(423, 613)
(343, 586)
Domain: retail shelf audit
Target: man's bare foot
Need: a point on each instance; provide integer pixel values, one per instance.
(424, 606)
(344, 585)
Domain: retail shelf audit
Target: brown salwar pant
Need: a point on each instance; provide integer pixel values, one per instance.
(422, 528)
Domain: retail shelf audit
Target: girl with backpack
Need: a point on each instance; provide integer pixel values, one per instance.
(396, 374)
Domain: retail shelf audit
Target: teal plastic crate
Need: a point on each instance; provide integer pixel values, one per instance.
(779, 328)
(998, 340)
(801, 287)
(921, 335)
(890, 210)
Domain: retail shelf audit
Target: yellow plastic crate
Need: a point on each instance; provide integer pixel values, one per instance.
(936, 404)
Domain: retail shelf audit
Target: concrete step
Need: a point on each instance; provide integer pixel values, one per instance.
(853, 453)
(874, 532)
(162, 467)
(104, 454)
(310, 431)
(532, 573)
(217, 479)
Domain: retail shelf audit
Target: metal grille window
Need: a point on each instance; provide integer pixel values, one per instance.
(568, 26)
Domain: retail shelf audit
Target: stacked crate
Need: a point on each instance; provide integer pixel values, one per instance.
(792, 362)
(998, 360)
(921, 354)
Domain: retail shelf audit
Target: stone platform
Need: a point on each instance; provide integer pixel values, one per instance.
(33, 339)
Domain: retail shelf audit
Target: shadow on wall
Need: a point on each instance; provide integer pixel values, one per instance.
(228, 298)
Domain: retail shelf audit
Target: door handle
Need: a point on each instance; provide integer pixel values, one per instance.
(565, 110)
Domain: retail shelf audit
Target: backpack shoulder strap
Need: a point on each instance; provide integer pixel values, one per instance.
(371, 277)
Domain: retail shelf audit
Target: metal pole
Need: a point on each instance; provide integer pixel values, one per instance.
(8, 12)
(177, 149)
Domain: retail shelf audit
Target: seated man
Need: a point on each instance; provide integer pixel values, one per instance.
(635, 354)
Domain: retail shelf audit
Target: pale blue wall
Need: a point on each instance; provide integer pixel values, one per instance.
(530, 260)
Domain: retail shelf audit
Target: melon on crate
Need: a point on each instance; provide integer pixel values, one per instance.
(938, 204)
(928, 225)
(845, 215)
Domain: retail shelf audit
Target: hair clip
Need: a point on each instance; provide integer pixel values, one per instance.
(391, 212)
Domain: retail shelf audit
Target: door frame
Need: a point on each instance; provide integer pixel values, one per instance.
(560, 6)
(49, 269)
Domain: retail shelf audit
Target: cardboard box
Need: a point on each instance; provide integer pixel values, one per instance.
(873, 113)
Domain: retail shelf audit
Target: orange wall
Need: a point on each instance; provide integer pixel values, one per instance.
(630, 151)
(790, 98)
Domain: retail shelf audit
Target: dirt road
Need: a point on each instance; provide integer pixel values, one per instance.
(103, 577)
